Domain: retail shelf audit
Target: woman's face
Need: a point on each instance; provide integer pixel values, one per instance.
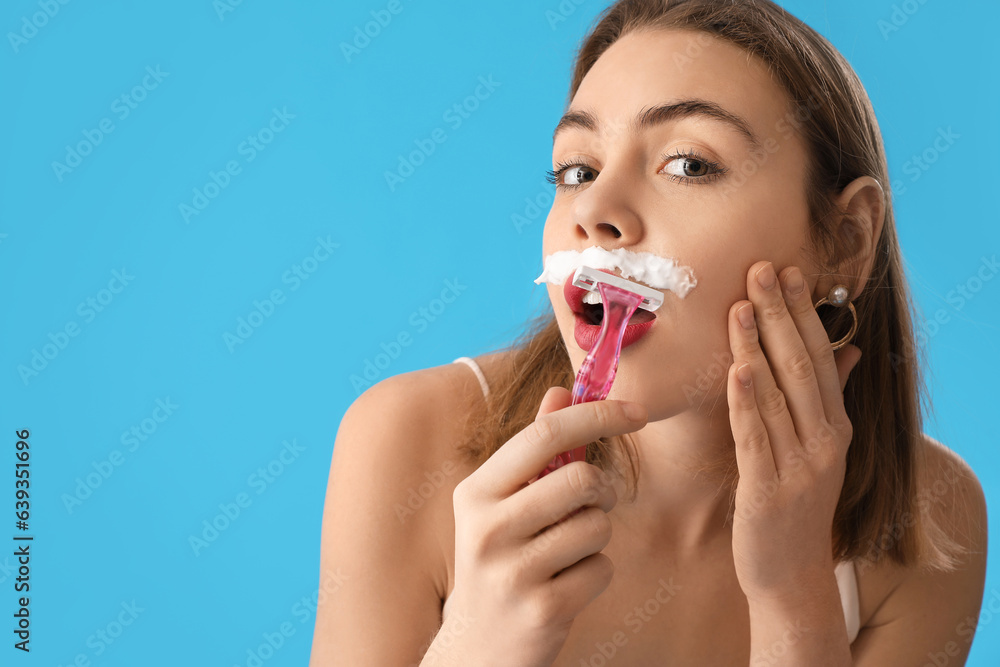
(732, 203)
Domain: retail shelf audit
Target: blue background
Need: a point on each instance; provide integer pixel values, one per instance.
(163, 335)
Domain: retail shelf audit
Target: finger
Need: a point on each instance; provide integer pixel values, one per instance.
(522, 457)
(753, 448)
(580, 584)
(554, 496)
(770, 400)
(555, 398)
(816, 340)
(790, 360)
(565, 544)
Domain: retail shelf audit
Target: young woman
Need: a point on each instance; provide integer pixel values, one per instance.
(757, 489)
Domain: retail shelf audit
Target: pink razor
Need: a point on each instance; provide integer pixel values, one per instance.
(593, 382)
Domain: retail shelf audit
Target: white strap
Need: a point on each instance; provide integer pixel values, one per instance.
(847, 582)
(471, 363)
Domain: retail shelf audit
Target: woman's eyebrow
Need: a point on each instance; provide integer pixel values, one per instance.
(663, 113)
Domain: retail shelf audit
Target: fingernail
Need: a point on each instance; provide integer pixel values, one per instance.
(794, 282)
(743, 375)
(745, 315)
(765, 276)
(634, 411)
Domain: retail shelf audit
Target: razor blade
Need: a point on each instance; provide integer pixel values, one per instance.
(588, 279)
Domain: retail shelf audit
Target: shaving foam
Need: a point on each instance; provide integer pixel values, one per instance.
(644, 267)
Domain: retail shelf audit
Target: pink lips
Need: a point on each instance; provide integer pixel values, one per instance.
(586, 333)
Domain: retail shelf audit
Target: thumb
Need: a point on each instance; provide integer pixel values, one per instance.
(556, 398)
(847, 358)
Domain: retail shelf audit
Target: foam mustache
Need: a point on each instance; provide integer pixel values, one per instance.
(644, 267)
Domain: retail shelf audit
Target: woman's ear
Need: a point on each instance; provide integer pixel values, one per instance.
(857, 232)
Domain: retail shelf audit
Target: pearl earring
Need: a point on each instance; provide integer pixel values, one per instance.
(838, 297)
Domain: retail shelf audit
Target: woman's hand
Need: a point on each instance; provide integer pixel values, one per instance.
(791, 433)
(524, 568)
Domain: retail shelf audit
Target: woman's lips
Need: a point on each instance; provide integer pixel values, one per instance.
(586, 333)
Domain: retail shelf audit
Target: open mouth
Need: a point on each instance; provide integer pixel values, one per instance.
(588, 306)
(594, 314)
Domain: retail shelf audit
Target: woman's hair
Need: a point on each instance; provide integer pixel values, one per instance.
(880, 513)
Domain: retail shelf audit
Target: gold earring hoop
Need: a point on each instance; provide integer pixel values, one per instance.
(838, 298)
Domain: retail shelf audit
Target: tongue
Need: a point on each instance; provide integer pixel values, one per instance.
(640, 315)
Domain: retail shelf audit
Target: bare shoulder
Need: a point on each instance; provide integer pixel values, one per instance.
(427, 415)
(393, 471)
(938, 607)
(439, 400)
(952, 494)
(420, 417)
(446, 464)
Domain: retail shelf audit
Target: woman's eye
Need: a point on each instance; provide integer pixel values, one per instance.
(572, 175)
(687, 167)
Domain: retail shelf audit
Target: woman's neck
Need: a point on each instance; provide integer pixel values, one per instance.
(687, 465)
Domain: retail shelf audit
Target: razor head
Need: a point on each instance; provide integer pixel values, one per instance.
(588, 279)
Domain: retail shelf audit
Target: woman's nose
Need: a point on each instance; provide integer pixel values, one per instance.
(604, 213)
